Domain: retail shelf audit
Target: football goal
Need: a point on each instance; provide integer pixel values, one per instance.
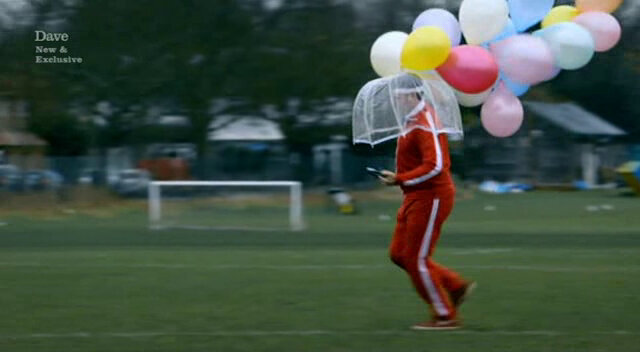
(230, 205)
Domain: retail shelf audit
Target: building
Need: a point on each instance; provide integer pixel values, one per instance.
(559, 143)
(246, 148)
(17, 146)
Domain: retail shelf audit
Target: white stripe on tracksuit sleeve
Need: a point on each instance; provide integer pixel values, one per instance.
(436, 170)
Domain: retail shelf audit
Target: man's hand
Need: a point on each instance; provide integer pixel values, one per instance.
(388, 177)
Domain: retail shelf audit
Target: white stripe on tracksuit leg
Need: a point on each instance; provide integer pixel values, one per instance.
(436, 300)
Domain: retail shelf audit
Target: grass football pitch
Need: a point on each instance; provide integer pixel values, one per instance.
(556, 272)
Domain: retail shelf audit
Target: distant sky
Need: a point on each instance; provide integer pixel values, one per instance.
(12, 12)
(272, 4)
(629, 13)
(16, 12)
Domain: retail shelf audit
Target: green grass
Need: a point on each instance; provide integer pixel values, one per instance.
(552, 277)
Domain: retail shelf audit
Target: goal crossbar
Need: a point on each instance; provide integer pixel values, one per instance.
(295, 197)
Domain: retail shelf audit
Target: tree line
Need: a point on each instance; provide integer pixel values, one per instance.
(180, 55)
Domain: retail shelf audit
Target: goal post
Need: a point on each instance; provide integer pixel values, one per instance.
(213, 193)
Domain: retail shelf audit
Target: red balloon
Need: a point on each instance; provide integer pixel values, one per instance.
(470, 69)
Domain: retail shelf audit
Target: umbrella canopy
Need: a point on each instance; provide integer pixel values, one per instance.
(389, 107)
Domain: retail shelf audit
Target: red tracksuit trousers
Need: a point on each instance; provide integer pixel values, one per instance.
(417, 231)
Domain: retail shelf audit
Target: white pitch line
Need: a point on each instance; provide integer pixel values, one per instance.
(21, 264)
(482, 251)
(551, 269)
(322, 267)
(558, 269)
(298, 333)
(216, 267)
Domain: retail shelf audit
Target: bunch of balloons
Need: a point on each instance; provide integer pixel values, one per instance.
(500, 60)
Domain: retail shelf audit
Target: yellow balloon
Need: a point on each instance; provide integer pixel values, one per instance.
(564, 13)
(598, 5)
(425, 49)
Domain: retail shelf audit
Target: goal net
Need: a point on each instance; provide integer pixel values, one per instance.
(233, 205)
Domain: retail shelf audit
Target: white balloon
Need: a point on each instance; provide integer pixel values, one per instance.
(386, 52)
(471, 100)
(482, 20)
(442, 19)
(464, 99)
(571, 44)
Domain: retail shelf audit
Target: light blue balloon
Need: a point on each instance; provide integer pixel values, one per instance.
(571, 44)
(508, 31)
(526, 13)
(518, 89)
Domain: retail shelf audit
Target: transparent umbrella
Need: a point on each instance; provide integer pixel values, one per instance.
(389, 107)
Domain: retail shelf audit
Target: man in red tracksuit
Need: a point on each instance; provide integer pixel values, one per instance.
(423, 173)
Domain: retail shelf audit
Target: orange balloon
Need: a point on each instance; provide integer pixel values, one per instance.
(598, 5)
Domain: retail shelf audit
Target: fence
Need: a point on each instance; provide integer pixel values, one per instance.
(72, 177)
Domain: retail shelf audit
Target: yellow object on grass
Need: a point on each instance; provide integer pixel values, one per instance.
(347, 209)
(630, 172)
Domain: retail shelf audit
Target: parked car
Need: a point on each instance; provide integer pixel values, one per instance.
(10, 178)
(42, 180)
(132, 182)
(91, 177)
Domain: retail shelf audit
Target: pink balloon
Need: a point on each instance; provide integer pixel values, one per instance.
(470, 69)
(554, 74)
(524, 58)
(604, 28)
(502, 113)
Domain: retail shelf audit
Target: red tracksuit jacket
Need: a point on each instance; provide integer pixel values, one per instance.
(422, 159)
